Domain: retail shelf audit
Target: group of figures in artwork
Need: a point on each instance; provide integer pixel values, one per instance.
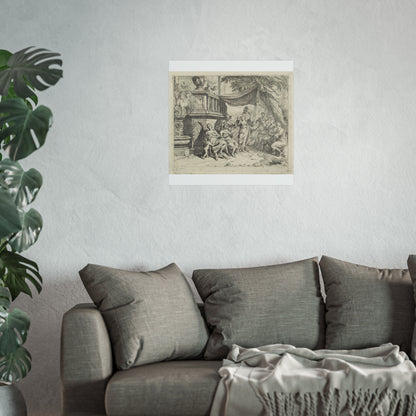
(231, 122)
(233, 134)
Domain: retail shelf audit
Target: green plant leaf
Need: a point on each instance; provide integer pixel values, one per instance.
(22, 186)
(13, 331)
(9, 215)
(4, 299)
(15, 366)
(26, 128)
(4, 57)
(31, 101)
(15, 270)
(31, 66)
(31, 227)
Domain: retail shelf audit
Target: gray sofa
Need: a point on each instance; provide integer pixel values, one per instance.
(102, 343)
(90, 384)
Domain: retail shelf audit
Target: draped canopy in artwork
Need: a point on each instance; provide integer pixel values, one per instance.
(261, 92)
(244, 98)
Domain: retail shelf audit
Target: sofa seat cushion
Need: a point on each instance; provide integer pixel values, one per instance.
(182, 388)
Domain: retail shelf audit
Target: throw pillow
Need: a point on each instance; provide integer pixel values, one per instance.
(262, 305)
(411, 263)
(366, 306)
(150, 316)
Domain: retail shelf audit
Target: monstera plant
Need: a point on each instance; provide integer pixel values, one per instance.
(23, 129)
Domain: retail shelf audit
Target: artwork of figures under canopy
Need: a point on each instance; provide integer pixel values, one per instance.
(231, 122)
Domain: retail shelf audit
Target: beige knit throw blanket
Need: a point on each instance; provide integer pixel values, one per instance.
(281, 380)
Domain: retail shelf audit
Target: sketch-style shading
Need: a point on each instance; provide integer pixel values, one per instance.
(231, 123)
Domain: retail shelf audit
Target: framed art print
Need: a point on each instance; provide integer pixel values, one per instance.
(230, 122)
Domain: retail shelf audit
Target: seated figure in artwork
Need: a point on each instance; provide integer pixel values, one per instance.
(211, 136)
(230, 143)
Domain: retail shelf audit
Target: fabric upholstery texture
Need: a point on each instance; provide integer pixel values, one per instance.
(411, 263)
(173, 388)
(151, 316)
(86, 361)
(262, 305)
(366, 306)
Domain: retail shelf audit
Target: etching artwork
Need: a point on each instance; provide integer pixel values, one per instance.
(231, 123)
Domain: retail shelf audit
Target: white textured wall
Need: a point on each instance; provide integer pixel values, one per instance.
(106, 199)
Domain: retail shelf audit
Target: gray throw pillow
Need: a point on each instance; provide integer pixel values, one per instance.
(366, 306)
(262, 305)
(411, 263)
(150, 316)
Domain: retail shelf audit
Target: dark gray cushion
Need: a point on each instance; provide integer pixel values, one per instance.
(411, 263)
(151, 316)
(366, 306)
(175, 388)
(262, 305)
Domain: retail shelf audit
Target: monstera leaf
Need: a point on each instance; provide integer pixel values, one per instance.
(13, 331)
(10, 218)
(22, 186)
(27, 128)
(17, 189)
(4, 300)
(15, 360)
(31, 101)
(15, 366)
(15, 270)
(31, 222)
(33, 67)
(4, 57)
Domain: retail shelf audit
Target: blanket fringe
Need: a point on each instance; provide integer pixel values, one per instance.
(358, 402)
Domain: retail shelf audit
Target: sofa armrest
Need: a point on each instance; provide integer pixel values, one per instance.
(86, 361)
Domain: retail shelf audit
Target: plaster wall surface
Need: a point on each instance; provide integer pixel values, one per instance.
(106, 197)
